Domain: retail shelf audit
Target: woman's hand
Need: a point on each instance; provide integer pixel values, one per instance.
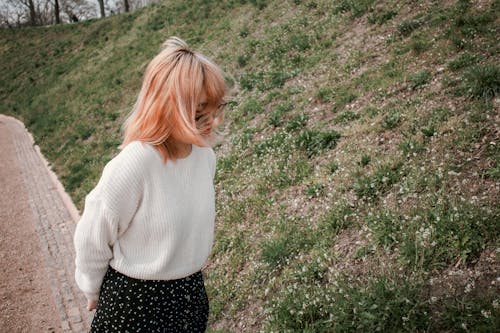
(91, 305)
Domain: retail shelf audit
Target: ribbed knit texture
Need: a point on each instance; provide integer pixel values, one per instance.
(147, 219)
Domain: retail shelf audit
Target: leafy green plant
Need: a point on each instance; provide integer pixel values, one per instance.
(463, 60)
(242, 60)
(483, 81)
(386, 228)
(419, 44)
(251, 107)
(411, 147)
(356, 7)
(346, 117)
(420, 78)
(391, 120)
(288, 241)
(406, 28)
(336, 219)
(376, 305)
(276, 116)
(440, 235)
(260, 4)
(315, 190)
(343, 96)
(325, 94)
(371, 186)
(381, 17)
(314, 142)
(365, 160)
(297, 122)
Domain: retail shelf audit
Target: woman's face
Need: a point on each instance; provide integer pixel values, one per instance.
(204, 115)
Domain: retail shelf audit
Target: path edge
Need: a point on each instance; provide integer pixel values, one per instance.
(66, 199)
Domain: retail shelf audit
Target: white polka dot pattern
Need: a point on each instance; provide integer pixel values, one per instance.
(133, 305)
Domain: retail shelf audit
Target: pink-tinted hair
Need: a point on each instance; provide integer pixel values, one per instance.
(165, 110)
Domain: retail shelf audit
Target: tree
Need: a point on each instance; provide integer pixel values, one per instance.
(56, 11)
(77, 10)
(125, 3)
(31, 6)
(101, 6)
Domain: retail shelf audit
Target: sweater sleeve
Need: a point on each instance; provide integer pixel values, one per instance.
(213, 163)
(109, 209)
(95, 235)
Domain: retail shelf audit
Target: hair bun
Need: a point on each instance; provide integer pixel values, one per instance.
(175, 42)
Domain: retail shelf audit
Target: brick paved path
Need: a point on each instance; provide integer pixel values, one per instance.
(54, 220)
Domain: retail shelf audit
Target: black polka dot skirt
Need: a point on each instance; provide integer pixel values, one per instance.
(131, 305)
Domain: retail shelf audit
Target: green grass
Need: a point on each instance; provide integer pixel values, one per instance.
(357, 161)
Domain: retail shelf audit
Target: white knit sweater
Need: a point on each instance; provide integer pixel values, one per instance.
(147, 219)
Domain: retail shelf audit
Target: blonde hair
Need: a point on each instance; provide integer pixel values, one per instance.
(167, 107)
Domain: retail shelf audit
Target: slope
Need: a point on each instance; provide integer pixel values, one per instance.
(358, 179)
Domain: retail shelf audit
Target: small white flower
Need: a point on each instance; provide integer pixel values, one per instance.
(486, 314)
(469, 287)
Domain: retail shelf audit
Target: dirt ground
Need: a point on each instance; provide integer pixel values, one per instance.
(27, 303)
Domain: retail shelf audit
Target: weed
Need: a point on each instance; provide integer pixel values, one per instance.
(346, 117)
(251, 107)
(392, 70)
(406, 28)
(391, 119)
(494, 172)
(297, 122)
(477, 311)
(419, 45)
(278, 79)
(411, 147)
(244, 32)
(243, 140)
(300, 42)
(343, 96)
(277, 143)
(226, 164)
(377, 305)
(315, 190)
(337, 218)
(483, 81)
(428, 131)
(382, 17)
(288, 172)
(243, 60)
(325, 94)
(260, 4)
(446, 232)
(276, 116)
(420, 79)
(288, 241)
(372, 186)
(356, 7)
(386, 227)
(333, 167)
(371, 111)
(365, 160)
(314, 142)
(251, 80)
(464, 60)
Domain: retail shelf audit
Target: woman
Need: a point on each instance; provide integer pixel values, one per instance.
(147, 227)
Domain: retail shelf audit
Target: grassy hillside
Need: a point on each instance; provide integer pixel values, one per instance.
(358, 179)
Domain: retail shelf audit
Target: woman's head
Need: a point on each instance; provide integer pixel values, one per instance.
(180, 100)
